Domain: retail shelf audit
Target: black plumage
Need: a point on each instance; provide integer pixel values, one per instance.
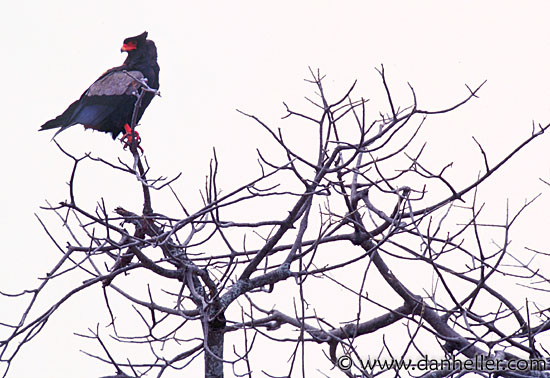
(108, 104)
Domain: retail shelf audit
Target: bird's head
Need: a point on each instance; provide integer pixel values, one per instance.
(134, 43)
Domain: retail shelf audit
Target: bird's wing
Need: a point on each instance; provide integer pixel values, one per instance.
(112, 91)
(116, 83)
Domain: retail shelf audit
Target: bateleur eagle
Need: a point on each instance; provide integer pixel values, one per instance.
(108, 104)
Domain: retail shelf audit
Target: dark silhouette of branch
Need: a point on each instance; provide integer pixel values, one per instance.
(335, 271)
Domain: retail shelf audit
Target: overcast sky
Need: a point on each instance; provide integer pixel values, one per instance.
(216, 56)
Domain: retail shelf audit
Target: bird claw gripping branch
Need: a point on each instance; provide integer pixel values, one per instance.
(128, 138)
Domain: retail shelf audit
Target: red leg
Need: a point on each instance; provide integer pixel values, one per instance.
(127, 138)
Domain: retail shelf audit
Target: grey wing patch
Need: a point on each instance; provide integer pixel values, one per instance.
(116, 83)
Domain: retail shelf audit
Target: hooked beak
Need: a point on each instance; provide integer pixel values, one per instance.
(130, 46)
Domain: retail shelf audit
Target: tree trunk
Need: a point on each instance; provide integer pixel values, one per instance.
(213, 364)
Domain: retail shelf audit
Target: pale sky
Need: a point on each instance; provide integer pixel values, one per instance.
(218, 56)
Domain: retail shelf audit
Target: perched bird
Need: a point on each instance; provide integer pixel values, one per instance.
(108, 105)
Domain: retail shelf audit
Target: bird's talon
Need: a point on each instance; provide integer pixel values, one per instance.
(127, 138)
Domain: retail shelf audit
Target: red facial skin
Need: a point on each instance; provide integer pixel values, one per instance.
(129, 46)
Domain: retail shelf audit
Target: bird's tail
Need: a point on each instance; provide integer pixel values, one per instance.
(52, 124)
(62, 121)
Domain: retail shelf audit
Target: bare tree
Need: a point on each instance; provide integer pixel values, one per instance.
(357, 213)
